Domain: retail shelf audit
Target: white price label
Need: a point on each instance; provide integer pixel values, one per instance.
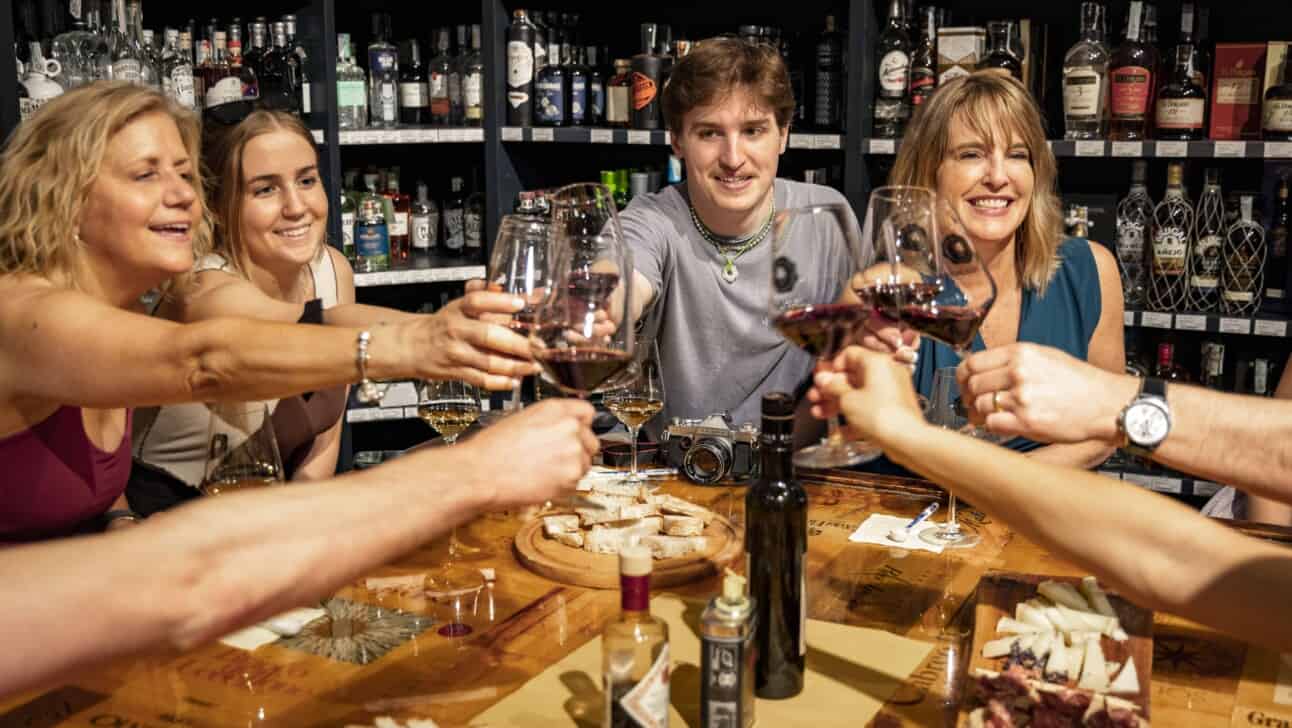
(1205, 488)
(1128, 149)
(358, 415)
(826, 141)
(453, 135)
(1155, 320)
(473, 135)
(1163, 484)
(1090, 149)
(404, 136)
(638, 136)
(542, 135)
(668, 137)
(602, 136)
(346, 137)
(1268, 327)
(1172, 149)
(370, 137)
(1278, 149)
(318, 135)
(883, 146)
(1128, 318)
(800, 141)
(1190, 322)
(512, 134)
(1231, 149)
(1235, 325)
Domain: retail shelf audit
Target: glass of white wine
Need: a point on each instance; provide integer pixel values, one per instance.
(450, 407)
(242, 451)
(640, 398)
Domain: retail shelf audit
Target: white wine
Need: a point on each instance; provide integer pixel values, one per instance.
(633, 411)
(225, 487)
(450, 419)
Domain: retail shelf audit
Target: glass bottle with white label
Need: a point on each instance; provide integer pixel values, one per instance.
(1134, 214)
(1132, 74)
(520, 69)
(383, 75)
(177, 72)
(473, 221)
(634, 650)
(348, 215)
(1205, 259)
(1085, 79)
(453, 214)
(1243, 275)
(473, 82)
(426, 222)
(892, 99)
(351, 87)
(1172, 235)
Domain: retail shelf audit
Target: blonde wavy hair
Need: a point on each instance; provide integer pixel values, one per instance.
(993, 105)
(52, 160)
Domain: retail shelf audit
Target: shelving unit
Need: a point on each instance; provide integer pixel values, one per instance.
(1137, 150)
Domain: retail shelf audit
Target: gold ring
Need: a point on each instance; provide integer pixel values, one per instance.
(995, 401)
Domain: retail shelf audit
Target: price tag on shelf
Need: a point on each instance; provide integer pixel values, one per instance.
(433, 135)
(371, 137)
(541, 134)
(453, 136)
(1172, 149)
(883, 146)
(473, 135)
(800, 141)
(1090, 149)
(1155, 320)
(1190, 322)
(827, 141)
(1128, 149)
(346, 137)
(1206, 488)
(638, 136)
(1269, 327)
(1278, 149)
(1235, 325)
(410, 413)
(668, 137)
(1163, 484)
(1231, 149)
(318, 135)
(1128, 318)
(512, 134)
(602, 136)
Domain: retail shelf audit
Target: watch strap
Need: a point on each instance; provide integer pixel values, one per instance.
(1149, 387)
(1153, 387)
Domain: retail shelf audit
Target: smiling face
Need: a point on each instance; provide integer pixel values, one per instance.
(283, 204)
(142, 209)
(731, 149)
(989, 185)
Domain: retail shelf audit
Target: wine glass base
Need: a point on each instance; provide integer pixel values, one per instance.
(835, 455)
(452, 580)
(949, 539)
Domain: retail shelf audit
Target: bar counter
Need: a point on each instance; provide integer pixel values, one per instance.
(381, 657)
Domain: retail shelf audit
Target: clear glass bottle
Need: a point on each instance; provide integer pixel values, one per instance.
(72, 50)
(348, 214)
(1085, 79)
(473, 108)
(177, 72)
(426, 221)
(441, 67)
(1001, 39)
(383, 75)
(1205, 259)
(128, 62)
(892, 103)
(1172, 240)
(634, 650)
(1134, 216)
(1242, 278)
(457, 105)
(351, 87)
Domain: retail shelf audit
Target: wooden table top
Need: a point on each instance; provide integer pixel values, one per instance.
(381, 654)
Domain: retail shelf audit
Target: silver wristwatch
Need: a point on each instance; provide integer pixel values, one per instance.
(1146, 421)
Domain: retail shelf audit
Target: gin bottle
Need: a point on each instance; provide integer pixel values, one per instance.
(351, 87)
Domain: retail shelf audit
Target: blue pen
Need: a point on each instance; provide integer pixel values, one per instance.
(899, 534)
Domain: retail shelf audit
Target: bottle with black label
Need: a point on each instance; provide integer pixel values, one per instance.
(1276, 270)
(892, 103)
(426, 221)
(924, 60)
(646, 84)
(596, 86)
(550, 87)
(776, 549)
(578, 74)
(828, 82)
(414, 103)
(520, 69)
(727, 657)
(1181, 103)
(453, 214)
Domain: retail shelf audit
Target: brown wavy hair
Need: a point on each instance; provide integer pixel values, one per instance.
(992, 105)
(222, 156)
(716, 67)
(52, 160)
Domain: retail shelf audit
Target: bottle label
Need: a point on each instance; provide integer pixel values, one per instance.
(454, 232)
(224, 91)
(439, 86)
(1277, 116)
(725, 664)
(647, 701)
(923, 82)
(549, 97)
(388, 103)
(128, 69)
(617, 105)
(351, 93)
(29, 106)
(644, 90)
(179, 86)
(520, 65)
(893, 70)
(382, 60)
(1082, 92)
(347, 233)
(1206, 263)
(1130, 240)
(1278, 241)
(305, 97)
(422, 232)
(597, 98)
(578, 98)
(473, 91)
(372, 243)
(1242, 90)
(1130, 91)
(1170, 249)
(1180, 113)
(399, 224)
(412, 94)
(471, 227)
(889, 109)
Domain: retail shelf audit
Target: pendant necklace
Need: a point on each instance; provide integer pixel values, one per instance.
(732, 248)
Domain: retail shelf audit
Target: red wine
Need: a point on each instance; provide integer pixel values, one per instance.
(823, 330)
(776, 544)
(582, 369)
(954, 326)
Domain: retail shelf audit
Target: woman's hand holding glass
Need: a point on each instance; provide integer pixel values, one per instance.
(872, 391)
(464, 341)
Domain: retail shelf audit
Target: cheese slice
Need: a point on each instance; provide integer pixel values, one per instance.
(1089, 620)
(676, 506)
(1097, 598)
(1007, 625)
(1041, 648)
(1029, 614)
(1056, 668)
(622, 490)
(1094, 673)
(574, 540)
(594, 516)
(553, 525)
(999, 647)
(1127, 682)
(683, 526)
(672, 547)
(1063, 594)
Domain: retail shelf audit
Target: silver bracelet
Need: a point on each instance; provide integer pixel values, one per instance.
(368, 391)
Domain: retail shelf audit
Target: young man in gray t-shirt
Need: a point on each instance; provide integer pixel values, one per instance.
(703, 249)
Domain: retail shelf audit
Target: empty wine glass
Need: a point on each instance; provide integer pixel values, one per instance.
(520, 265)
(943, 412)
(450, 407)
(242, 451)
(639, 399)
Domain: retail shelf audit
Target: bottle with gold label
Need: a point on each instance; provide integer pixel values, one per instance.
(1276, 120)
(1172, 232)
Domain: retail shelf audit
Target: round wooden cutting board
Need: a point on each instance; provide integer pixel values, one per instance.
(562, 563)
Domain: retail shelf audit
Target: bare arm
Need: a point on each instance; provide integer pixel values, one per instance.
(1263, 509)
(232, 560)
(320, 461)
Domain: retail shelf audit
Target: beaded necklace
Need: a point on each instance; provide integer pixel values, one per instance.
(724, 244)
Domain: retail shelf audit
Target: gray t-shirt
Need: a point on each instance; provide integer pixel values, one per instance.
(718, 351)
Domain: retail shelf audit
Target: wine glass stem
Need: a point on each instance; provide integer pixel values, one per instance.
(449, 441)
(833, 435)
(953, 525)
(632, 445)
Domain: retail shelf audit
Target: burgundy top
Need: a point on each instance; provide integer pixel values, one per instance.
(56, 482)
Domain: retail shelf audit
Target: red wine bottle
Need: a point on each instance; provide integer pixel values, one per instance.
(776, 549)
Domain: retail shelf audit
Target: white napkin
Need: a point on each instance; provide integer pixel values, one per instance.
(283, 625)
(875, 530)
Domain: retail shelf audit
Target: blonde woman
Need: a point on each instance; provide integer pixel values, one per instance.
(980, 142)
(99, 203)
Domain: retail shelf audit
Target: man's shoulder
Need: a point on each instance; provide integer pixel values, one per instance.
(668, 202)
(800, 194)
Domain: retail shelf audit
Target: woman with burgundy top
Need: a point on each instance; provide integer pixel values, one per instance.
(99, 203)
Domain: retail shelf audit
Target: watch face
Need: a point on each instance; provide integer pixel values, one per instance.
(1146, 424)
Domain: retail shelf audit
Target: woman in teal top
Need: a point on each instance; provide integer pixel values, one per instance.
(979, 141)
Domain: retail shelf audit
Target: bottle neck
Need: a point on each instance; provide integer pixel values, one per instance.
(777, 459)
(634, 593)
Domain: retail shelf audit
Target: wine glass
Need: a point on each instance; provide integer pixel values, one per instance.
(639, 399)
(450, 407)
(816, 256)
(520, 266)
(944, 413)
(242, 451)
(582, 337)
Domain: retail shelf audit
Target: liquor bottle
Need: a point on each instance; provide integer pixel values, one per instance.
(426, 221)
(383, 75)
(371, 238)
(71, 50)
(727, 657)
(473, 221)
(520, 69)
(1180, 103)
(38, 84)
(456, 104)
(1205, 259)
(473, 82)
(663, 49)
(566, 35)
(596, 115)
(647, 69)
(276, 78)
(1166, 367)
(634, 650)
(550, 86)
(1079, 215)
(539, 43)
(441, 67)
(1001, 38)
(453, 215)
(1134, 213)
(234, 34)
(1242, 277)
(1131, 71)
(253, 57)
(348, 214)
(924, 60)
(1200, 65)
(580, 108)
(1135, 365)
(1276, 269)
(177, 72)
(351, 87)
(298, 61)
(222, 85)
(621, 187)
(400, 205)
(776, 549)
(1085, 79)
(1276, 118)
(619, 94)
(827, 98)
(126, 58)
(1172, 233)
(414, 100)
(1213, 365)
(892, 105)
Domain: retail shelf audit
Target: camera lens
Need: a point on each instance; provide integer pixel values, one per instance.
(708, 461)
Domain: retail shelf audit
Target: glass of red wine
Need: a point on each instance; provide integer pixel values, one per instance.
(520, 265)
(581, 336)
(816, 257)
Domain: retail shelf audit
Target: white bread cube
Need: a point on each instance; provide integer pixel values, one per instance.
(672, 547)
(683, 526)
(552, 525)
(573, 540)
(676, 506)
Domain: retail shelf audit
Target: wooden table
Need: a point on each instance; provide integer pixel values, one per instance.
(389, 660)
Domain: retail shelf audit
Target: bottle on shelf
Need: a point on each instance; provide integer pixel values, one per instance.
(1166, 367)
(1206, 257)
(577, 74)
(1135, 364)
(441, 67)
(520, 69)
(619, 94)
(299, 63)
(1079, 215)
(1202, 55)
(426, 221)
(550, 86)
(776, 549)
(383, 75)
(349, 212)
(234, 34)
(924, 59)
(457, 104)
(1276, 268)
(621, 188)
(1001, 40)
(473, 109)
(38, 85)
(1085, 79)
(398, 229)
(1172, 233)
(892, 104)
(253, 55)
(127, 59)
(222, 85)
(1261, 377)
(351, 87)
(414, 98)
(727, 657)
(1181, 104)
(277, 84)
(827, 83)
(473, 220)
(1243, 274)
(453, 216)
(634, 650)
(647, 82)
(596, 115)
(177, 72)
(1132, 74)
(371, 237)
(1276, 116)
(1213, 365)
(1134, 216)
